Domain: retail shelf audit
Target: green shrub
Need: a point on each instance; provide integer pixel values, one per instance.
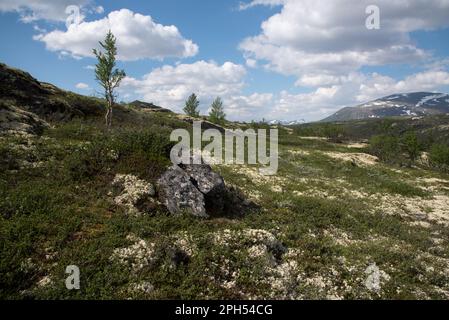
(386, 148)
(105, 151)
(439, 156)
(150, 143)
(411, 146)
(8, 158)
(334, 132)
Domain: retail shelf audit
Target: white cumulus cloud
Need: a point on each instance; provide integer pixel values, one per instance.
(138, 37)
(317, 41)
(82, 86)
(52, 10)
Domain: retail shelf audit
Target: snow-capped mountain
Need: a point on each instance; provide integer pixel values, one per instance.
(406, 104)
(286, 122)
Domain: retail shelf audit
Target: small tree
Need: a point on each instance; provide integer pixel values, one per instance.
(106, 74)
(191, 107)
(216, 113)
(411, 146)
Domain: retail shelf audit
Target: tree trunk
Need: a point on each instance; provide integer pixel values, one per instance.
(108, 116)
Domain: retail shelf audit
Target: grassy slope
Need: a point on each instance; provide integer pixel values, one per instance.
(334, 217)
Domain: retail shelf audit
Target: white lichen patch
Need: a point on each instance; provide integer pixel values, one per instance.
(375, 278)
(134, 189)
(356, 145)
(359, 159)
(257, 177)
(299, 152)
(435, 209)
(137, 256)
(44, 282)
(184, 242)
(279, 266)
(141, 287)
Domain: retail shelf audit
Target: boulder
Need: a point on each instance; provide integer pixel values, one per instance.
(178, 193)
(201, 191)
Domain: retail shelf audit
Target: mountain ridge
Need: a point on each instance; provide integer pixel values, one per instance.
(415, 104)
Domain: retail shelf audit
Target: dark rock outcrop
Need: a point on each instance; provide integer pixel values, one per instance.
(45, 100)
(200, 190)
(148, 106)
(16, 120)
(50, 103)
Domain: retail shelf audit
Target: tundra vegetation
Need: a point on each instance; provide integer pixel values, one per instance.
(332, 211)
(337, 210)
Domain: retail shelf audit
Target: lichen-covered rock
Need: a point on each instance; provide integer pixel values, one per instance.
(14, 120)
(200, 190)
(178, 193)
(134, 194)
(206, 180)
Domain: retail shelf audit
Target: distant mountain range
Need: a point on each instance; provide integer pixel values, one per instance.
(406, 104)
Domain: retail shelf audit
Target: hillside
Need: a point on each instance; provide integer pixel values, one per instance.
(414, 104)
(335, 222)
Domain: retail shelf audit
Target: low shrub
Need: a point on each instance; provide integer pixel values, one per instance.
(386, 148)
(439, 157)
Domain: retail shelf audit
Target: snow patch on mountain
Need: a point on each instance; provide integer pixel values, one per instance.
(428, 99)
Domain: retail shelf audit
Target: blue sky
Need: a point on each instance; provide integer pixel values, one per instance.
(272, 59)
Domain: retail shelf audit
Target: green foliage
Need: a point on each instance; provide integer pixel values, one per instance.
(191, 106)
(106, 151)
(439, 156)
(216, 114)
(385, 147)
(7, 158)
(334, 132)
(105, 72)
(404, 149)
(411, 146)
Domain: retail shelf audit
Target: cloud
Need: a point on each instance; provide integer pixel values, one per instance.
(317, 42)
(82, 86)
(169, 86)
(355, 89)
(51, 10)
(251, 63)
(271, 3)
(138, 37)
(378, 85)
(249, 107)
(326, 46)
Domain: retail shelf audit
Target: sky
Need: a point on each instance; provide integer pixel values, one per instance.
(267, 59)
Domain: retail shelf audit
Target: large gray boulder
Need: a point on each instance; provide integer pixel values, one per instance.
(200, 190)
(178, 193)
